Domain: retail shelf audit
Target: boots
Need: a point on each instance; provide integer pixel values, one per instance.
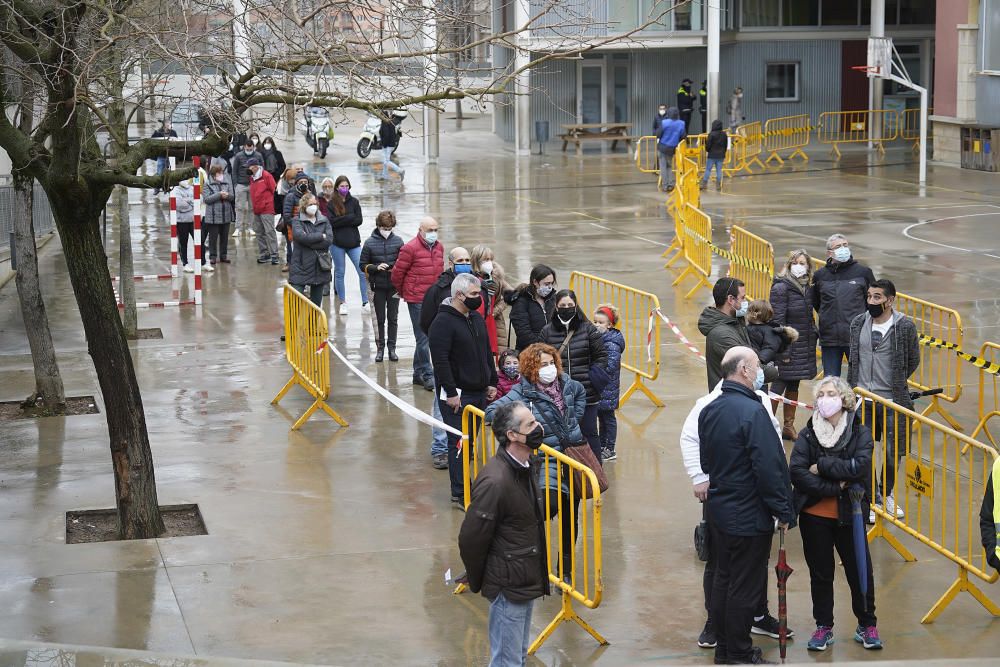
(380, 350)
(392, 352)
(788, 428)
(393, 328)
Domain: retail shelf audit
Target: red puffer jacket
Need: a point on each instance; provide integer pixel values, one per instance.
(262, 194)
(416, 269)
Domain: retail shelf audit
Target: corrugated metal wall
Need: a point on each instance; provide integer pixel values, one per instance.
(553, 95)
(744, 63)
(656, 76)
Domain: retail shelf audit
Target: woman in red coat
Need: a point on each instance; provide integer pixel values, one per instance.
(484, 268)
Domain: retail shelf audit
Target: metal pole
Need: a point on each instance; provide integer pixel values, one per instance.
(923, 135)
(713, 61)
(431, 116)
(522, 88)
(875, 85)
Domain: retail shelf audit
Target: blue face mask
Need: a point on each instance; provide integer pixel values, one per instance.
(742, 310)
(842, 254)
(463, 268)
(758, 381)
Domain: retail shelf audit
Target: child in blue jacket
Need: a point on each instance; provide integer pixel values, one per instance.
(606, 320)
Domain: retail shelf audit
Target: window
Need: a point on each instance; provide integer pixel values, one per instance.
(841, 13)
(800, 12)
(757, 13)
(989, 33)
(781, 82)
(917, 12)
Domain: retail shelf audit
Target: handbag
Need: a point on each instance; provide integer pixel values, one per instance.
(582, 488)
(325, 261)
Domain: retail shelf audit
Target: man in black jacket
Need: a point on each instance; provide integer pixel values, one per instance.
(749, 486)
(459, 261)
(464, 370)
(502, 539)
(703, 106)
(685, 103)
(839, 295)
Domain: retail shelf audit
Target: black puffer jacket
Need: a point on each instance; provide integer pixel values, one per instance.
(793, 303)
(345, 227)
(433, 297)
(502, 539)
(840, 294)
(849, 460)
(377, 251)
(528, 317)
(770, 341)
(585, 349)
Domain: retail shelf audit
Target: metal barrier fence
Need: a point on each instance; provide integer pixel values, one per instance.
(939, 493)
(636, 322)
(939, 366)
(697, 248)
(753, 264)
(787, 133)
(988, 383)
(910, 127)
(646, 155)
(751, 146)
(578, 576)
(847, 127)
(306, 334)
(41, 213)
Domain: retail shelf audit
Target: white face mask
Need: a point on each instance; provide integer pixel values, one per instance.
(842, 254)
(547, 374)
(386, 233)
(601, 328)
(268, 146)
(487, 267)
(311, 210)
(799, 270)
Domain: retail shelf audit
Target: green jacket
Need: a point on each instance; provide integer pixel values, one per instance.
(721, 332)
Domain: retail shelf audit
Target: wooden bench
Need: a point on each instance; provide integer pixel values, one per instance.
(613, 132)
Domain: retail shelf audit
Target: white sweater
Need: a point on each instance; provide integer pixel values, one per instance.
(691, 445)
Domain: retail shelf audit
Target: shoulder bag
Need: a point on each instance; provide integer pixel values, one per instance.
(582, 488)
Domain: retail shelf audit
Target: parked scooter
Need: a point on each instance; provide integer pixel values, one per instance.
(319, 134)
(370, 134)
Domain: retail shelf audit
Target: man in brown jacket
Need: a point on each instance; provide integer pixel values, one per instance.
(502, 540)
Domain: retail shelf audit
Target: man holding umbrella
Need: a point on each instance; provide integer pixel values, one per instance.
(748, 488)
(831, 469)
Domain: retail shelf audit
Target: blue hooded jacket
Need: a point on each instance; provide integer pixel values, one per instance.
(672, 129)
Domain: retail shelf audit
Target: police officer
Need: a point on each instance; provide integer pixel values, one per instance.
(685, 103)
(989, 517)
(703, 106)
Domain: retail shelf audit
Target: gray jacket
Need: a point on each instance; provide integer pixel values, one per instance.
(240, 175)
(219, 211)
(184, 194)
(905, 354)
(308, 244)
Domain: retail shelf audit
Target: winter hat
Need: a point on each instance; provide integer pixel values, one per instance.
(253, 162)
(301, 176)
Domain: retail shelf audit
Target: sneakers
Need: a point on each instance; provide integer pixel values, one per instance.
(366, 308)
(868, 637)
(236, 234)
(608, 454)
(207, 267)
(188, 268)
(439, 461)
(890, 507)
(343, 309)
(768, 626)
(252, 233)
(458, 503)
(263, 260)
(274, 260)
(707, 637)
(820, 639)
(757, 657)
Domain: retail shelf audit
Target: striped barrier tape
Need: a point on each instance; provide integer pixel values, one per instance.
(990, 367)
(732, 257)
(690, 346)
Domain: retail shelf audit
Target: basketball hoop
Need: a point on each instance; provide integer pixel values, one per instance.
(871, 72)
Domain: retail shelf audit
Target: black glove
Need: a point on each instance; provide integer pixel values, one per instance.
(770, 372)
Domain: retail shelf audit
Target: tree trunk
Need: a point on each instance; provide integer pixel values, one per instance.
(132, 460)
(126, 286)
(48, 382)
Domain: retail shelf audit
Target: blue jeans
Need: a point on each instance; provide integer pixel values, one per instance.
(439, 437)
(588, 425)
(387, 162)
(422, 369)
(608, 426)
(340, 265)
(713, 162)
(510, 632)
(833, 359)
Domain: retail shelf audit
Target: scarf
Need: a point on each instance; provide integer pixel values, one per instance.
(554, 391)
(828, 434)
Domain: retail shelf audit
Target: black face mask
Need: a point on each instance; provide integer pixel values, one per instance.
(534, 438)
(303, 188)
(473, 302)
(876, 309)
(566, 314)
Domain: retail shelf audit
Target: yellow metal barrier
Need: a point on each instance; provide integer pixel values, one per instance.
(694, 150)
(910, 130)
(990, 352)
(939, 367)
(752, 145)
(646, 155)
(306, 333)
(577, 576)
(735, 161)
(938, 490)
(637, 324)
(849, 127)
(697, 229)
(754, 264)
(787, 133)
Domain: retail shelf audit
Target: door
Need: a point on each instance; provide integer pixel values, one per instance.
(590, 92)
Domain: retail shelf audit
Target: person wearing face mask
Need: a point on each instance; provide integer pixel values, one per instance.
(832, 453)
(884, 353)
(345, 217)
(485, 268)
(724, 327)
(531, 306)
(288, 192)
(464, 369)
(459, 262)
(219, 212)
(274, 161)
(262, 189)
(377, 259)
(839, 291)
(241, 179)
(670, 133)
(311, 261)
(606, 321)
(661, 114)
(502, 538)
(584, 357)
(792, 298)
(749, 487)
(509, 372)
(558, 402)
(417, 268)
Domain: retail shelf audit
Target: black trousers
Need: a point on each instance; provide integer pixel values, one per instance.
(740, 580)
(570, 522)
(893, 431)
(820, 536)
(386, 305)
(454, 419)
(708, 579)
(185, 232)
(218, 240)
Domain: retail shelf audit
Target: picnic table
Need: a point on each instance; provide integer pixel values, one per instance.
(577, 133)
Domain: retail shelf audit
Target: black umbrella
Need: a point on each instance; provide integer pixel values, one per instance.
(782, 571)
(857, 494)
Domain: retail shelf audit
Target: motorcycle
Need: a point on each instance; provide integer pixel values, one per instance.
(318, 130)
(370, 133)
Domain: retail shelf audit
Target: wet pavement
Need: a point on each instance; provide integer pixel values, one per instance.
(330, 545)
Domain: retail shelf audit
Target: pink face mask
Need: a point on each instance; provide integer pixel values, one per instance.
(828, 406)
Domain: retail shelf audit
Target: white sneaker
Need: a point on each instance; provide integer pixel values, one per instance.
(252, 233)
(236, 233)
(208, 268)
(188, 268)
(343, 309)
(366, 309)
(890, 507)
(871, 516)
